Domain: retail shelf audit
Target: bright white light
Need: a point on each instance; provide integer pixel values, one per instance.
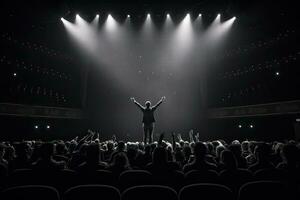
(97, 15)
(128, 16)
(234, 18)
(48, 127)
(61, 18)
(148, 15)
(36, 126)
(199, 15)
(111, 23)
(251, 126)
(77, 15)
(15, 74)
(188, 15)
(168, 15)
(240, 126)
(277, 73)
(219, 15)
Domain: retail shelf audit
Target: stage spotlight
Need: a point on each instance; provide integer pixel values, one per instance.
(14, 74)
(168, 15)
(240, 126)
(219, 15)
(128, 16)
(148, 15)
(48, 127)
(97, 15)
(62, 19)
(188, 14)
(36, 126)
(199, 15)
(234, 18)
(251, 126)
(77, 15)
(277, 73)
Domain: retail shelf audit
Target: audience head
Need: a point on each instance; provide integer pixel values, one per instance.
(46, 150)
(290, 153)
(228, 159)
(120, 160)
(236, 149)
(121, 146)
(200, 151)
(262, 152)
(93, 153)
(160, 155)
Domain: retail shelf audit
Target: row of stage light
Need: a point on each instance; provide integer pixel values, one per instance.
(149, 15)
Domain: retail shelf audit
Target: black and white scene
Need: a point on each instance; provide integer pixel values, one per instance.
(149, 100)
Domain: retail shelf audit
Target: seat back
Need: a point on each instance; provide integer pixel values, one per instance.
(103, 177)
(22, 177)
(173, 179)
(269, 175)
(234, 179)
(81, 192)
(149, 192)
(205, 190)
(32, 192)
(132, 178)
(196, 176)
(260, 190)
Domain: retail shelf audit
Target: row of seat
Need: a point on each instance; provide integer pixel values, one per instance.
(64, 179)
(251, 191)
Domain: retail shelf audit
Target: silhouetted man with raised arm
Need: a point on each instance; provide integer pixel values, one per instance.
(148, 117)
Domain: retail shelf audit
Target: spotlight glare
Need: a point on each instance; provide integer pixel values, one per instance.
(251, 126)
(219, 14)
(128, 16)
(240, 126)
(15, 74)
(48, 127)
(61, 18)
(36, 126)
(77, 15)
(148, 15)
(97, 15)
(168, 15)
(234, 18)
(199, 15)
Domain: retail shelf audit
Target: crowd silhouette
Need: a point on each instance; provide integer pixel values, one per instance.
(176, 165)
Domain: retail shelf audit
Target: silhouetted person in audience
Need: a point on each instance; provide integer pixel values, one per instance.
(236, 149)
(119, 163)
(92, 162)
(291, 158)
(60, 152)
(23, 154)
(148, 118)
(109, 150)
(121, 148)
(46, 161)
(160, 163)
(262, 153)
(2, 153)
(199, 162)
(228, 161)
(145, 157)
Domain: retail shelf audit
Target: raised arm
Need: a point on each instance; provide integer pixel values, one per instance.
(159, 102)
(137, 103)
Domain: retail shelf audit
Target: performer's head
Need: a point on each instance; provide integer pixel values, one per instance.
(148, 104)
